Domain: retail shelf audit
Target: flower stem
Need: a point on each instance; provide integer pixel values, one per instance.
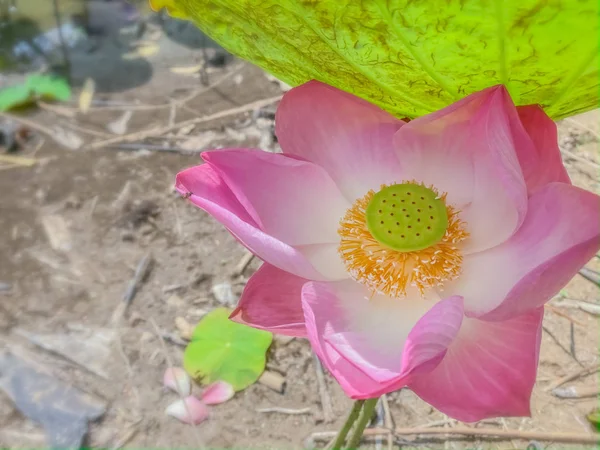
(363, 421)
(341, 437)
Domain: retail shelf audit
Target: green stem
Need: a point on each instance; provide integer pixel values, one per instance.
(363, 421)
(341, 437)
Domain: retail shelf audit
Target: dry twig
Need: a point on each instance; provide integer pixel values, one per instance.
(177, 102)
(469, 433)
(581, 159)
(557, 342)
(572, 376)
(18, 160)
(276, 409)
(28, 123)
(559, 312)
(590, 308)
(141, 272)
(152, 132)
(575, 392)
(591, 275)
(558, 437)
(244, 262)
(323, 392)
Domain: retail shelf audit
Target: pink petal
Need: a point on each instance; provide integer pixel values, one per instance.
(344, 134)
(272, 301)
(469, 151)
(189, 410)
(206, 189)
(560, 234)
(541, 163)
(294, 201)
(217, 392)
(373, 344)
(177, 379)
(488, 371)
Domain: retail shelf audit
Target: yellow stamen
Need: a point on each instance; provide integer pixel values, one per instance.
(388, 271)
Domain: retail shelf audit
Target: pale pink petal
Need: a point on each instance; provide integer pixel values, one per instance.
(541, 163)
(373, 344)
(468, 150)
(326, 259)
(272, 301)
(190, 410)
(217, 392)
(489, 370)
(177, 379)
(560, 234)
(294, 201)
(349, 137)
(206, 189)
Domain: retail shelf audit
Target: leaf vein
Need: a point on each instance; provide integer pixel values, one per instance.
(392, 93)
(429, 70)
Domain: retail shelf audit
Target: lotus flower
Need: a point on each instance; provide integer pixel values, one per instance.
(415, 254)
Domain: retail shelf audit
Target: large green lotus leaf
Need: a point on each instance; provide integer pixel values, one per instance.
(221, 349)
(412, 57)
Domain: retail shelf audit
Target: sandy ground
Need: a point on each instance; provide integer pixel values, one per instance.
(108, 208)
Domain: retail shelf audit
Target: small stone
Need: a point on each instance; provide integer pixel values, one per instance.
(73, 202)
(127, 236)
(238, 79)
(175, 301)
(198, 279)
(146, 229)
(223, 293)
(146, 336)
(134, 319)
(186, 329)
(197, 313)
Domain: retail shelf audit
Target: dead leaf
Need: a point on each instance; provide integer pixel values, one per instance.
(57, 232)
(143, 51)
(86, 96)
(119, 126)
(186, 70)
(67, 138)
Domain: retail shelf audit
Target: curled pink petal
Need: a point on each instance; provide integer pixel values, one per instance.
(217, 392)
(347, 136)
(560, 234)
(488, 371)
(281, 194)
(190, 410)
(468, 150)
(271, 301)
(177, 379)
(375, 344)
(542, 162)
(205, 187)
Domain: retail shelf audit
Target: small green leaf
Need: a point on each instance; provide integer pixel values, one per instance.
(49, 87)
(14, 97)
(414, 57)
(221, 349)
